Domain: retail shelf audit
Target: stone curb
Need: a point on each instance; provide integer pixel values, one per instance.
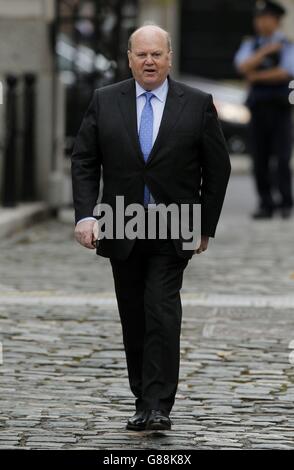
(17, 218)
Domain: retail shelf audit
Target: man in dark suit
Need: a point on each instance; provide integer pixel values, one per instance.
(158, 142)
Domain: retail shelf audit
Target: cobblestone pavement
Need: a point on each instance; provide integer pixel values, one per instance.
(63, 382)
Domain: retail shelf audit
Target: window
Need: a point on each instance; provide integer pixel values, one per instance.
(211, 32)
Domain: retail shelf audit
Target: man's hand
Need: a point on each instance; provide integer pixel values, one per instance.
(271, 48)
(253, 62)
(273, 75)
(86, 233)
(203, 245)
(252, 77)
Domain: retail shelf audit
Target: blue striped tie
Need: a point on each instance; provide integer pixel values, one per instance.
(146, 135)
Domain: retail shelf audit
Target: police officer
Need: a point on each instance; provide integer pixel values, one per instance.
(267, 62)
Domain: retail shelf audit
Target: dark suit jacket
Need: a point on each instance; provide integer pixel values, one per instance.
(189, 162)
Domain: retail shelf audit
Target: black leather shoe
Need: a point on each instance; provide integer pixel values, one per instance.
(158, 421)
(262, 214)
(138, 421)
(286, 212)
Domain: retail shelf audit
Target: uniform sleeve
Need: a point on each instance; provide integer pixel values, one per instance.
(245, 51)
(287, 59)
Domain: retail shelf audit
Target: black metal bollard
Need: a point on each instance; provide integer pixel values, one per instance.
(28, 180)
(9, 183)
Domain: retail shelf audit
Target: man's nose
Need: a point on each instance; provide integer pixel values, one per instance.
(149, 59)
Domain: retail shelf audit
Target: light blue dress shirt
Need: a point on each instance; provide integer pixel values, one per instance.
(287, 51)
(158, 104)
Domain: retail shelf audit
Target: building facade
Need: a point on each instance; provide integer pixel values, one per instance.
(26, 49)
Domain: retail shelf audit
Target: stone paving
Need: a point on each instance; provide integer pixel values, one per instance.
(63, 382)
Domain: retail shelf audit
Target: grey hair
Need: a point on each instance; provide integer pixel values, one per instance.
(150, 23)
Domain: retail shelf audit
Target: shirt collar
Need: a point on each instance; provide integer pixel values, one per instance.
(278, 36)
(160, 92)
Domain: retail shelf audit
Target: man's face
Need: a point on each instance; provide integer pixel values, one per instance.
(150, 58)
(266, 25)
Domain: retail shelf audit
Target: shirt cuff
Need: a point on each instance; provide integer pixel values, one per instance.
(86, 218)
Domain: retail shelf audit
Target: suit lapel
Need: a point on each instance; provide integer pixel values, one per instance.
(128, 107)
(175, 101)
(173, 107)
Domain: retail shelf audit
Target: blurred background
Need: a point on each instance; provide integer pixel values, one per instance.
(53, 53)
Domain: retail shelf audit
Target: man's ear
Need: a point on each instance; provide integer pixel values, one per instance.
(129, 58)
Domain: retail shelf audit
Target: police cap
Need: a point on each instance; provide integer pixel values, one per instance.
(265, 7)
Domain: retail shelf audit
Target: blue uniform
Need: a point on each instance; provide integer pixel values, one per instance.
(287, 51)
(271, 123)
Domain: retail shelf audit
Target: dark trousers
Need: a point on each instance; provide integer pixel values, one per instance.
(147, 286)
(271, 136)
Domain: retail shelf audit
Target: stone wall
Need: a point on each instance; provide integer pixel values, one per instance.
(289, 20)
